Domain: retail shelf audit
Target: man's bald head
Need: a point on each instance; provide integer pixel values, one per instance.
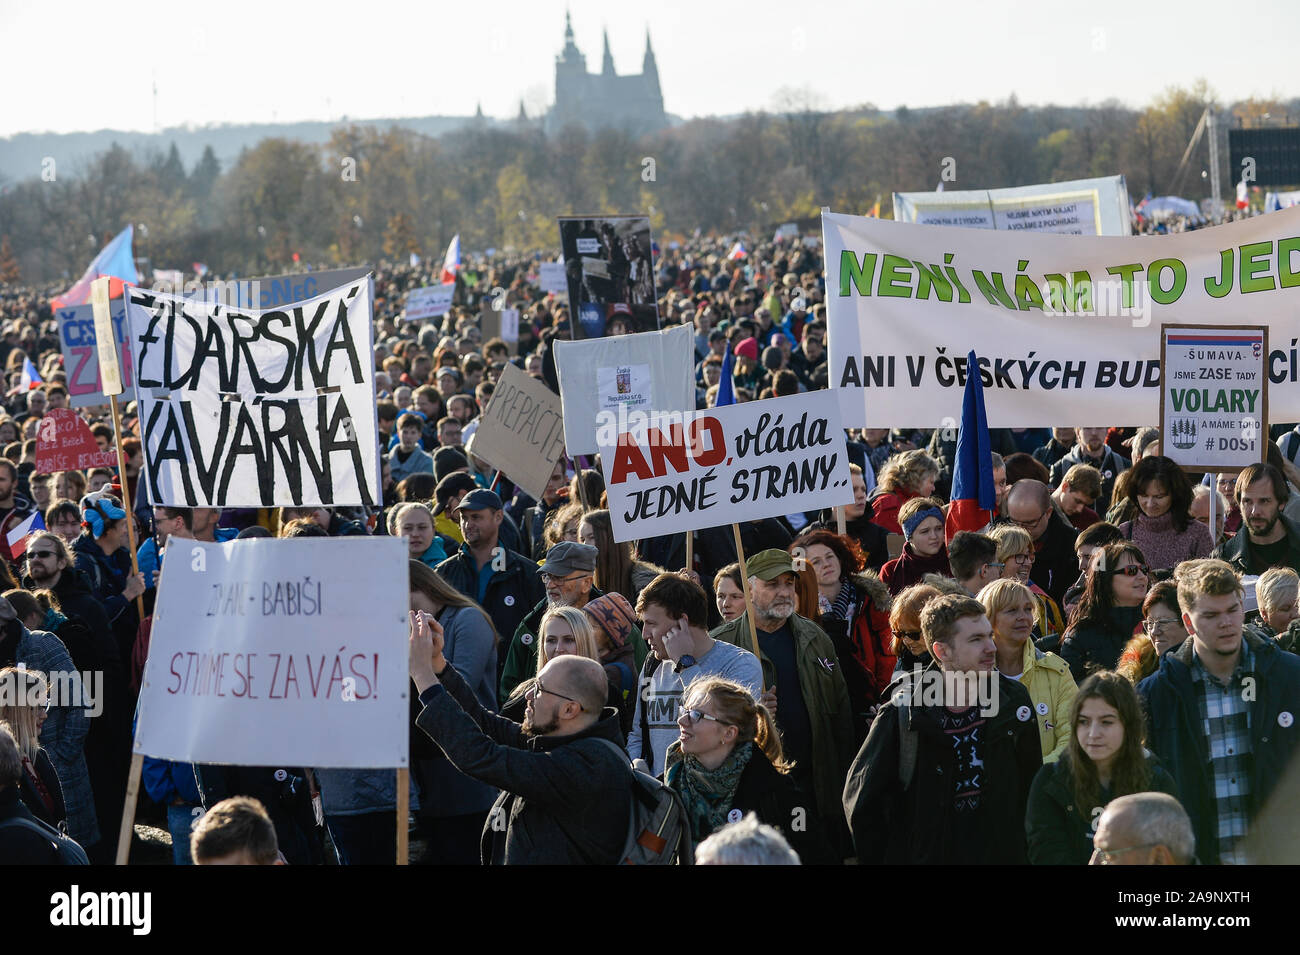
(1149, 828)
(580, 678)
(1030, 491)
(1029, 504)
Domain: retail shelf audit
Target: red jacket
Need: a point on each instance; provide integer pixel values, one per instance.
(885, 508)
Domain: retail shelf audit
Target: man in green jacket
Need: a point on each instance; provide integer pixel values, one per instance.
(801, 670)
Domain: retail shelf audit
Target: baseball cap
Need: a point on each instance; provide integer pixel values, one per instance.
(482, 498)
(455, 483)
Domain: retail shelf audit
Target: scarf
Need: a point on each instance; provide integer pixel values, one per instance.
(706, 793)
(844, 602)
(53, 620)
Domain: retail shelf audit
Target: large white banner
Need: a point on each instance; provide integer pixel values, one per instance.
(257, 408)
(604, 381)
(673, 473)
(1078, 207)
(1066, 328)
(262, 655)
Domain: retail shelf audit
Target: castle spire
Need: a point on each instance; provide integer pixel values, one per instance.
(607, 66)
(648, 64)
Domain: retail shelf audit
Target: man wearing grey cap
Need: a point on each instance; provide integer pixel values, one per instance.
(568, 574)
(504, 582)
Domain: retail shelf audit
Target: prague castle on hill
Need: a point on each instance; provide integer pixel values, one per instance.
(632, 103)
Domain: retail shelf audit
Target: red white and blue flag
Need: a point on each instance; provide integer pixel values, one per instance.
(974, 496)
(737, 251)
(31, 377)
(17, 538)
(451, 264)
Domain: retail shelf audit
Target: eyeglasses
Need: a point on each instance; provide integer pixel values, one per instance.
(995, 565)
(40, 554)
(1022, 559)
(538, 690)
(1104, 856)
(1158, 624)
(1028, 525)
(1132, 570)
(547, 578)
(694, 716)
(907, 634)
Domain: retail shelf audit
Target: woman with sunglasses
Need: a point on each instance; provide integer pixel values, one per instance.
(1162, 630)
(908, 646)
(1105, 759)
(1161, 526)
(727, 762)
(24, 705)
(1110, 610)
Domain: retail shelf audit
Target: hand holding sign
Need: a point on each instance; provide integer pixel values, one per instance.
(134, 585)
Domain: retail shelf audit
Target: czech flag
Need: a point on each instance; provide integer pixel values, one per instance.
(1243, 200)
(973, 493)
(451, 264)
(737, 251)
(115, 260)
(31, 377)
(17, 538)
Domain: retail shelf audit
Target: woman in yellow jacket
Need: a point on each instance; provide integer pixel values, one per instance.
(1010, 608)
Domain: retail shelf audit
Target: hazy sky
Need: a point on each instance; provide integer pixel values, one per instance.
(71, 66)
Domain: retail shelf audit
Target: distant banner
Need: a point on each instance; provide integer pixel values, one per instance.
(1078, 207)
(81, 359)
(603, 382)
(270, 291)
(610, 274)
(1065, 328)
(263, 655)
(551, 278)
(521, 431)
(257, 408)
(671, 473)
(433, 301)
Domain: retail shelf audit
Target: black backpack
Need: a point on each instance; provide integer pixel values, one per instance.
(66, 850)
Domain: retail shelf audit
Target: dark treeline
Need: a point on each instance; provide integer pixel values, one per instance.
(370, 194)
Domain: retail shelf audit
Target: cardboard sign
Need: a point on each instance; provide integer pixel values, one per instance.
(736, 463)
(521, 431)
(263, 655)
(432, 301)
(80, 347)
(64, 443)
(603, 381)
(1214, 401)
(257, 409)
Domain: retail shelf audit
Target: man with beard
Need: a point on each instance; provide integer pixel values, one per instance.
(1267, 538)
(805, 688)
(565, 790)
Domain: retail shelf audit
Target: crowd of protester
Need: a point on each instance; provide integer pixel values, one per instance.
(1142, 661)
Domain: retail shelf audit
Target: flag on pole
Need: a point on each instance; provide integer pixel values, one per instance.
(726, 388)
(973, 493)
(415, 260)
(115, 260)
(451, 263)
(17, 538)
(200, 269)
(31, 377)
(1243, 200)
(737, 251)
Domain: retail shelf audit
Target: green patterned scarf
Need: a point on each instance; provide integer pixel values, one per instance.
(706, 793)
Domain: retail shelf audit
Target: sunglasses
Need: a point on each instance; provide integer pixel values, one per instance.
(1133, 570)
(907, 634)
(41, 554)
(694, 716)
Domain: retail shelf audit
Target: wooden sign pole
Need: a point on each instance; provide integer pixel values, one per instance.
(403, 811)
(127, 829)
(749, 597)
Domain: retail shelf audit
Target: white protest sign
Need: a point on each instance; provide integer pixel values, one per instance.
(510, 325)
(429, 302)
(521, 431)
(110, 371)
(257, 409)
(552, 278)
(262, 655)
(1079, 207)
(602, 380)
(1061, 324)
(1215, 403)
(670, 473)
